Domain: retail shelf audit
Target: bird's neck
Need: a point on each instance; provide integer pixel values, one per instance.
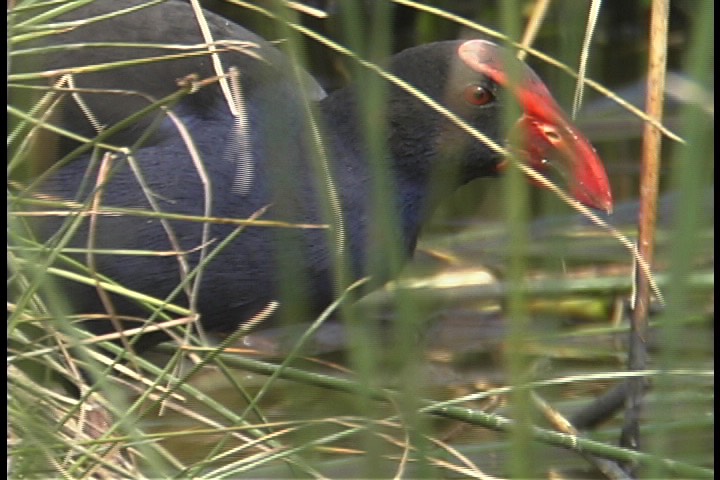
(385, 196)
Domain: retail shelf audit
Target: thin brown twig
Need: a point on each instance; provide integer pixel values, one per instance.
(649, 180)
(104, 296)
(536, 19)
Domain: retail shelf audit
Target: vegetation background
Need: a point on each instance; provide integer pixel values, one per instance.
(430, 394)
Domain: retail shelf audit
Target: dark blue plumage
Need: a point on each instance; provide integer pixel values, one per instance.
(277, 152)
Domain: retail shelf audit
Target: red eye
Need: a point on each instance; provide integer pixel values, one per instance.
(477, 95)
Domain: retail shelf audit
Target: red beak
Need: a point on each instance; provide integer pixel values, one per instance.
(544, 136)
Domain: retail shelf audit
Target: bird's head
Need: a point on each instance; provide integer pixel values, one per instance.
(471, 79)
